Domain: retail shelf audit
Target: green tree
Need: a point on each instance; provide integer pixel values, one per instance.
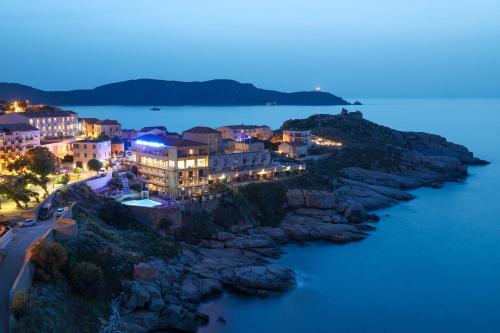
(87, 279)
(38, 161)
(78, 171)
(94, 165)
(15, 188)
(103, 136)
(64, 179)
(115, 213)
(49, 259)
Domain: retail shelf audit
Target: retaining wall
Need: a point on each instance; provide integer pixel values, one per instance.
(5, 239)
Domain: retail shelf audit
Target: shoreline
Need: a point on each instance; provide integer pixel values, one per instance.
(238, 258)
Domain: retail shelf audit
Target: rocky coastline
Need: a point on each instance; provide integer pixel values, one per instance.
(166, 295)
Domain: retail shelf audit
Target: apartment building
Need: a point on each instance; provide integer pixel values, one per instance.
(301, 136)
(93, 127)
(294, 149)
(15, 140)
(88, 149)
(171, 165)
(205, 135)
(244, 132)
(239, 159)
(52, 122)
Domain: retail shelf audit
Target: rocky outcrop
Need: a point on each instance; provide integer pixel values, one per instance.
(301, 228)
(260, 280)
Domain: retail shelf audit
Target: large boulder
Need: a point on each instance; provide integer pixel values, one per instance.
(301, 228)
(355, 213)
(260, 280)
(295, 198)
(320, 199)
(148, 271)
(195, 289)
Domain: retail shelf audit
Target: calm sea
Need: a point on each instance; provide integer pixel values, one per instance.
(432, 265)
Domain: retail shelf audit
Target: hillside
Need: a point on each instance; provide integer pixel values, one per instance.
(160, 92)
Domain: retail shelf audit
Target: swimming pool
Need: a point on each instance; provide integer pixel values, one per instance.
(142, 203)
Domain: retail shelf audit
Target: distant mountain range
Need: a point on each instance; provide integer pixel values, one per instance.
(160, 92)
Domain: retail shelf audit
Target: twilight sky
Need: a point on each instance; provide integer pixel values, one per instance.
(353, 48)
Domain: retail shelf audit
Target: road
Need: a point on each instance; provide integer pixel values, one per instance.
(22, 238)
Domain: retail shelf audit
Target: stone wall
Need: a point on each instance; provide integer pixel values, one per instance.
(151, 216)
(99, 181)
(5, 239)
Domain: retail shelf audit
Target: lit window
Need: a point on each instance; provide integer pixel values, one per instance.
(181, 165)
(190, 164)
(202, 162)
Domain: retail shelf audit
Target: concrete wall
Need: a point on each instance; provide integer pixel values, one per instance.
(100, 181)
(152, 216)
(5, 239)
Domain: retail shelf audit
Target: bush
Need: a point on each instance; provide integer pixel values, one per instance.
(231, 210)
(116, 214)
(87, 279)
(20, 305)
(49, 260)
(269, 200)
(197, 226)
(165, 224)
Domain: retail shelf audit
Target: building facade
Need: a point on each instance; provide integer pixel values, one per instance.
(301, 136)
(52, 122)
(171, 165)
(205, 135)
(293, 149)
(244, 132)
(15, 140)
(88, 149)
(93, 127)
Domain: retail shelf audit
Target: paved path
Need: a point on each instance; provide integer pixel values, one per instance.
(22, 238)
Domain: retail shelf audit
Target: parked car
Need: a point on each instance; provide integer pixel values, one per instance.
(59, 212)
(44, 213)
(26, 223)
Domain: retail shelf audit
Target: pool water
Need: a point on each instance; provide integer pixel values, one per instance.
(142, 203)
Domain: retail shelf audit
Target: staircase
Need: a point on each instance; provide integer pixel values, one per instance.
(124, 181)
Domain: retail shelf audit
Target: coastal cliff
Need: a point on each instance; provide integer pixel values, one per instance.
(331, 202)
(228, 244)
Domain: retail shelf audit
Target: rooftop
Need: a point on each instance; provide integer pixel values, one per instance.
(202, 130)
(95, 121)
(163, 141)
(9, 128)
(47, 112)
(93, 140)
(150, 128)
(242, 126)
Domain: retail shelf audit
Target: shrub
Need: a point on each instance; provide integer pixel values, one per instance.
(116, 214)
(269, 200)
(197, 226)
(165, 224)
(87, 279)
(231, 210)
(49, 260)
(20, 305)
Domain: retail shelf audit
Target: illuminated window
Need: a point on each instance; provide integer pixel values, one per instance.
(190, 164)
(181, 165)
(202, 162)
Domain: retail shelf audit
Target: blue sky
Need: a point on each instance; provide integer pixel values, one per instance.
(354, 48)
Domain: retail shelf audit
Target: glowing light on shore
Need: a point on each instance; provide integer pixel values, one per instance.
(150, 144)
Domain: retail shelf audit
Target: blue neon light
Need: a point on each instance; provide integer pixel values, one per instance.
(150, 144)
